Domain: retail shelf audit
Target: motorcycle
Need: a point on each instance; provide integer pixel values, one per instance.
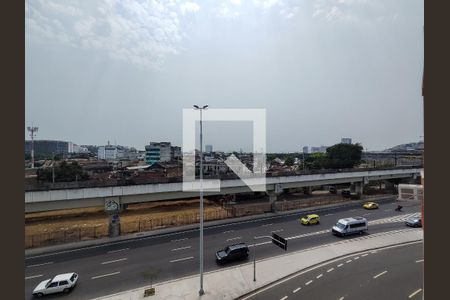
(399, 208)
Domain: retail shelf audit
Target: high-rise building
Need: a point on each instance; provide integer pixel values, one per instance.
(158, 152)
(208, 149)
(305, 149)
(346, 140)
(48, 147)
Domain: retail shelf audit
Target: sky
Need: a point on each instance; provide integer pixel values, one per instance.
(123, 71)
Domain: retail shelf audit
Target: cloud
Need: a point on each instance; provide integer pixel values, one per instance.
(141, 32)
(189, 7)
(346, 10)
(235, 2)
(225, 12)
(266, 4)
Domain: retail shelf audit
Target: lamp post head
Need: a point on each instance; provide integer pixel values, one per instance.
(196, 107)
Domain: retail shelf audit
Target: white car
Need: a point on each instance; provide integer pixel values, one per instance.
(59, 283)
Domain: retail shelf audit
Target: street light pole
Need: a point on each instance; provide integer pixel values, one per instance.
(201, 291)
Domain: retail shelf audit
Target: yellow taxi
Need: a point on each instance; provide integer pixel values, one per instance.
(310, 219)
(370, 205)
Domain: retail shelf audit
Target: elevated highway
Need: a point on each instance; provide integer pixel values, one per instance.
(48, 200)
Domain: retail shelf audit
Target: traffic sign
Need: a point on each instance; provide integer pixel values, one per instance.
(279, 241)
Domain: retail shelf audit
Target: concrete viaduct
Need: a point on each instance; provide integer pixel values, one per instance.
(36, 201)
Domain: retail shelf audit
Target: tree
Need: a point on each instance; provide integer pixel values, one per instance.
(341, 156)
(289, 161)
(316, 161)
(63, 173)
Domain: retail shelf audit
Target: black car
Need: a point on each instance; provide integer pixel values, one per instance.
(232, 253)
(414, 222)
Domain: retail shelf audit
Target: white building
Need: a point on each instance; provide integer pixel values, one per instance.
(110, 152)
(346, 140)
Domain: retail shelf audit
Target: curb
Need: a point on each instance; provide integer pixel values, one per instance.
(256, 291)
(103, 242)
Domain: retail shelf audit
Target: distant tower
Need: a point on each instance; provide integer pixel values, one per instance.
(32, 130)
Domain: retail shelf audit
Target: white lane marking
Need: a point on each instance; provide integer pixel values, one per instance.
(342, 298)
(365, 254)
(318, 276)
(296, 290)
(279, 230)
(181, 248)
(340, 265)
(307, 234)
(415, 293)
(420, 260)
(181, 259)
(329, 270)
(264, 225)
(179, 240)
(109, 274)
(328, 215)
(348, 261)
(38, 265)
(228, 231)
(356, 258)
(115, 251)
(284, 298)
(260, 244)
(308, 282)
(378, 275)
(235, 238)
(34, 276)
(113, 261)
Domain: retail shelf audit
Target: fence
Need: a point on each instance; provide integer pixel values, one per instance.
(126, 226)
(66, 236)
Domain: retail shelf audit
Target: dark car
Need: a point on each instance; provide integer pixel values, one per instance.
(414, 222)
(232, 253)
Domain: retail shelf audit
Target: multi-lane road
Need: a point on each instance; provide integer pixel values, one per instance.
(391, 273)
(111, 268)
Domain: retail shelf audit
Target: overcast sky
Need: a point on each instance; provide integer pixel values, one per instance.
(123, 70)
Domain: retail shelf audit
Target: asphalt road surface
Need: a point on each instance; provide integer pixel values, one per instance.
(392, 273)
(112, 268)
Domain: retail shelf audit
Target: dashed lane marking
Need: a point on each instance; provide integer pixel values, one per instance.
(235, 238)
(296, 290)
(181, 248)
(318, 276)
(329, 270)
(119, 250)
(34, 276)
(378, 275)
(113, 261)
(38, 265)
(420, 260)
(415, 293)
(181, 259)
(105, 275)
(308, 282)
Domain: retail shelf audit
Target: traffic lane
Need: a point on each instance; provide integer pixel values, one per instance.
(367, 275)
(142, 242)
(158, 252)
(140, 262)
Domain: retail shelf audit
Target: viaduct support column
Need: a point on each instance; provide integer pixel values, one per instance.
(113, 208)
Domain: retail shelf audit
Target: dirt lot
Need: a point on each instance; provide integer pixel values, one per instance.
(93, 222)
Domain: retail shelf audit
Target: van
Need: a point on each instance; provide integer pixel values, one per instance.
(350, 226)
(232, 253)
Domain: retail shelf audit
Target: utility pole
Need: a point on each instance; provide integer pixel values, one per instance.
(53, 168)
(196, 107)
(32, 130)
